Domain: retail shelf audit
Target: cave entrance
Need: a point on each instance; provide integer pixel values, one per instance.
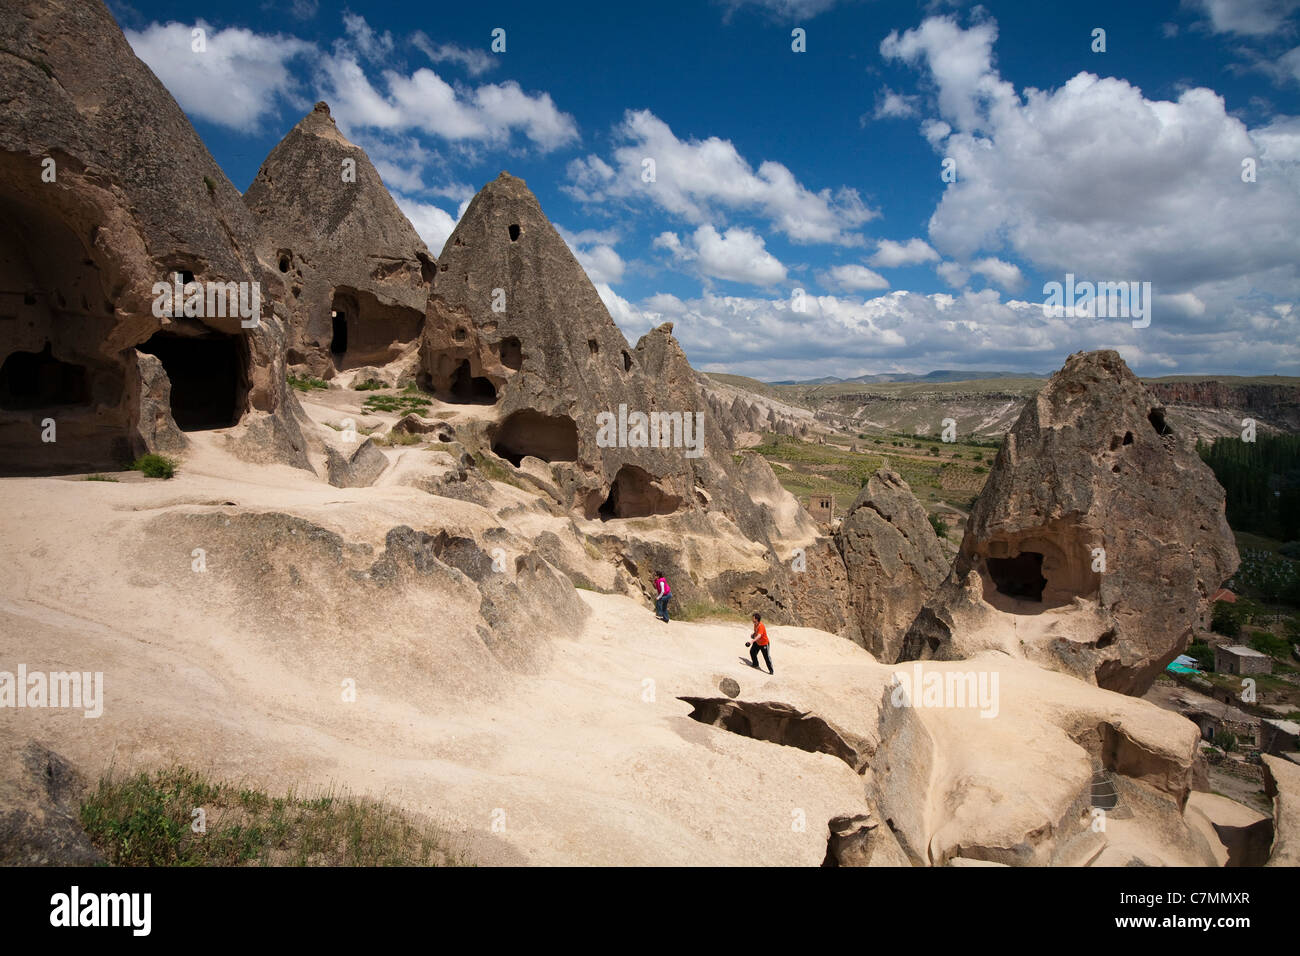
(529, 432)
(338, 331)
(207, 377)
(470, 389)
(1020, 577)
(634, 494)
(39, 380)
(55, 321)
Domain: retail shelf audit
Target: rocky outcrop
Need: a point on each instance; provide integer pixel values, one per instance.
(105, 190)
(358, 275)
(893, 561)
(1096, 542)
(1276, 405)
(354, 468)
(40, 822)
(1282, 784)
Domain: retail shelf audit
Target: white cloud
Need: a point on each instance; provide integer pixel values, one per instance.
(791, 10)
(239, 79)
(695, 179)
(891, 105)
(377, 47)
(892, 255)
(907, 331)
(426, 103)
(474, 62)
(855, 278)
(1097, 180)
(738, 255)
(433, 223)
(1005, 274)
(594, 250)
(1247, 17)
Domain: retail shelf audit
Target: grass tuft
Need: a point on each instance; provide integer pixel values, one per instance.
(147, 820)
(155, 466)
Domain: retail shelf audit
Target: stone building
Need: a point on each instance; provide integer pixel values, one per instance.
(1239, 659)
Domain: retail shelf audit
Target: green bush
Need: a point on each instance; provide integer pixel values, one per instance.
(1225, 740)
(939, 525)
(155, 466)
(1226, 619)
(369, 385)
(1203, 654)
(1270, 644)
(306, 384)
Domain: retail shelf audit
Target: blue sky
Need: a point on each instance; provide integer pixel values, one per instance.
(798, 224)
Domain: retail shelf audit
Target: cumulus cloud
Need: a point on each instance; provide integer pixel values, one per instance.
(855, 278)
(237, 80)
(1005, 274)
(697, 179)
(892, 255)
(594, 250)
(424, 102)
(1246, 17)
(433, 223)
(1095, 179)
(738, 255)
(472, 61)
(377, 47)
(908, 331)
(891, 105)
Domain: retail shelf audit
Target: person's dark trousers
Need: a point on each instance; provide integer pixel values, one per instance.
(661, 607)
(753, 655)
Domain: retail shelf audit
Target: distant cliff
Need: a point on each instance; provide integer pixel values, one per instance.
(1278, 405)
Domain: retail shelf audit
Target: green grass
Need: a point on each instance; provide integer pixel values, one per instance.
(369, 385)
(99, 478)
(395, 403)
(145, 820)
(939, 477)
(306, 384)
(398, 438)
(704, 609)
(155, 466)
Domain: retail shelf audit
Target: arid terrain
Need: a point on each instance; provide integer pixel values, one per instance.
(396, 533)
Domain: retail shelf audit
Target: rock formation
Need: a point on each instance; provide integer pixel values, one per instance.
(105, 190)
(357, 273)
(893, 561)
(1096, 542)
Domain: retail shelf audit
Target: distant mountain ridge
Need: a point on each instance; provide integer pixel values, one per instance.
(939, 375)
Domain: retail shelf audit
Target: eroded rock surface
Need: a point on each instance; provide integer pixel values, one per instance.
(1096, 542)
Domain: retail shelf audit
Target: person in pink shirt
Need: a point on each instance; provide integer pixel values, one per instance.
(662, 593)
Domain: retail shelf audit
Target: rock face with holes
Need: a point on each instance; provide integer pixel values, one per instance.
(893, 561)
(514, 323)
(1096, 542)
(106, 190)
(357, 273)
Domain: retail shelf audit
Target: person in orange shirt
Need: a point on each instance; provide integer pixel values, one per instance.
(759, 642)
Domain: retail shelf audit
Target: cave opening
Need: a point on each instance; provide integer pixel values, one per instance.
(634, 494)
(514, 232)
(38, 380)
(1020, 577)
(1157, 420)
(511, 352)
(339, 331)
(207, 377)
(470, 389)
(529, 432)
